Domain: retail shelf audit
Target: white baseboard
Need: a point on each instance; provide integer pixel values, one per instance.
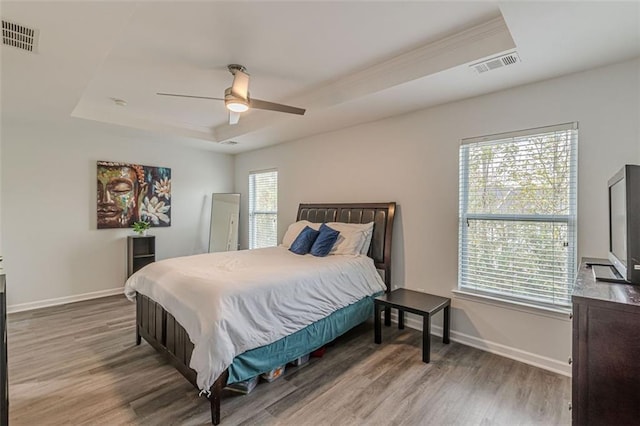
(20, 307)
(530, 358)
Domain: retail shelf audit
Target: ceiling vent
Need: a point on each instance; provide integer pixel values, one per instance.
(495, 63)
(19, 36)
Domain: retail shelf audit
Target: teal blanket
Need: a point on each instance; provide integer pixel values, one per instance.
(300, 343)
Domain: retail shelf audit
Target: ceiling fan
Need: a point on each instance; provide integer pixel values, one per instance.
(237, 100)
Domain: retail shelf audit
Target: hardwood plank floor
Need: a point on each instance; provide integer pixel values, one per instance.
(78, 364)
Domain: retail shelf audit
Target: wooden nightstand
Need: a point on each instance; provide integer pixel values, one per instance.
(141, 251)
(417, 303)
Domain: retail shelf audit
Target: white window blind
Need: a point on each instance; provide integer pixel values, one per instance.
(517, 236)
(263, 209)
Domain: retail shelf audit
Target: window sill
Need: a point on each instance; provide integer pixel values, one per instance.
(555, 313)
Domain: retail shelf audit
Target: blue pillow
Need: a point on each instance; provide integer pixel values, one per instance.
(303, 242)
(325, 241)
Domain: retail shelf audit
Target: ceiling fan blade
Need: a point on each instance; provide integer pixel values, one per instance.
(271, 106)
(189, 96)
(240, 86)
(234, 117)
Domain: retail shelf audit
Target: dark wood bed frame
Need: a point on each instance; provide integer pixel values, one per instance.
(162, 331)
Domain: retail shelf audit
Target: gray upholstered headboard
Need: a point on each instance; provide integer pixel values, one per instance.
(381, 214)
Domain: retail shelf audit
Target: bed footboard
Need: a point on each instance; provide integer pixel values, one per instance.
(160, 329)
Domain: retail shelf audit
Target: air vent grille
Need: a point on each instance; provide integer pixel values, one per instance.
(19, 36)
(495, 63)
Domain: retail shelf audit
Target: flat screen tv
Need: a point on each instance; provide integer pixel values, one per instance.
(624, 223)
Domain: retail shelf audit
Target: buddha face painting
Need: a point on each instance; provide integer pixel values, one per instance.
(128, 193)
(118, 190)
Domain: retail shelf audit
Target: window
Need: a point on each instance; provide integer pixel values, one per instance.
(263, 209)
(517, 237)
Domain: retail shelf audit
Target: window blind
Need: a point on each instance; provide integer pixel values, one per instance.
(263, 209)
(518, 203)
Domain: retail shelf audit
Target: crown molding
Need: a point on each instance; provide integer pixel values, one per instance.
(480, 41)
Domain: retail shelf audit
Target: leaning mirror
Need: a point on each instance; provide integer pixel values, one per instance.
(225, 215)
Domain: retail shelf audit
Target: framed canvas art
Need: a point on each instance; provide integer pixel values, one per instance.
(131, 192)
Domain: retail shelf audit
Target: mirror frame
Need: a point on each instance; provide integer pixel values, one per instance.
(216, 221)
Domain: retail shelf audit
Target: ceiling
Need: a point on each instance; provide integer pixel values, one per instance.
(345, 62)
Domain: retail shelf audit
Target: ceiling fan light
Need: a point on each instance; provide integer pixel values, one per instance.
(236, 105)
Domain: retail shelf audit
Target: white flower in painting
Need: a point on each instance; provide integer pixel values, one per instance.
(154, 211)
(163, 188)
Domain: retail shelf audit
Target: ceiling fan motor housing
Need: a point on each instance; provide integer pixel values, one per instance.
(236, 67)
(235, 103)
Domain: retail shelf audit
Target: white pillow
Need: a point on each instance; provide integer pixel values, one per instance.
(367, 241)
(352, 239)
(295, 229)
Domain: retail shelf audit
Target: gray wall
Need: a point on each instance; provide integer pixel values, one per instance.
(413, 160)
(52, 249)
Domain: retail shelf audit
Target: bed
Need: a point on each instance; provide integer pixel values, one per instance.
(166, 328)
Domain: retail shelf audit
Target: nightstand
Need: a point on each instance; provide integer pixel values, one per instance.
(141, 251)
(418, 303)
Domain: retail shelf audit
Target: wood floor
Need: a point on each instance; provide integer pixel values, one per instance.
(78, 364)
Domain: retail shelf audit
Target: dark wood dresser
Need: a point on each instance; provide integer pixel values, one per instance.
(4, 389)
(606, 351)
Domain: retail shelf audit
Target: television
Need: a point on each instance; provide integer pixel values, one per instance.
(624, 223)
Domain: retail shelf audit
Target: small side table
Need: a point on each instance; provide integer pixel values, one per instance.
(141, 251)
(417, 303)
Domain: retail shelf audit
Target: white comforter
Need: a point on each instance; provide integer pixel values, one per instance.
(236, 301)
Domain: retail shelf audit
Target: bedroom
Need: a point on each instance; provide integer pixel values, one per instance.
(408, 131)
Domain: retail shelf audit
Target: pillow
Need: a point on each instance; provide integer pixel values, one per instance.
(349, 242)
(367, 241)
(302, 244)
(323, 244)
(294, 230)
(354, 238)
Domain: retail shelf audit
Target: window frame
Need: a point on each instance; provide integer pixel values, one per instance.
(570, 219)
(252, 214)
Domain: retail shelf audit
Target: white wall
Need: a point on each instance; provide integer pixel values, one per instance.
(52, 248)
(1, 264)
(413, 160)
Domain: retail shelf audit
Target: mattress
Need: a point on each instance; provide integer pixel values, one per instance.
(233, 302)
